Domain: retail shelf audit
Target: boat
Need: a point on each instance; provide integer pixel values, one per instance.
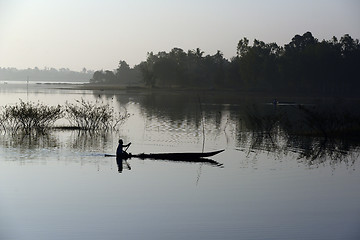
(193, 157)
(169, 156)
(178, 156)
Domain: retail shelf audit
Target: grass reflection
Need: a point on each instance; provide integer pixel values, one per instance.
(317, 136)
(25, 141)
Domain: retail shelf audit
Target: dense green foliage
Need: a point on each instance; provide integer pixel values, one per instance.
(304, 66)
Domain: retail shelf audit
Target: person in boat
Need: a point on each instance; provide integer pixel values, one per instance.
(275, 102)
(119, 150)
(119, 154)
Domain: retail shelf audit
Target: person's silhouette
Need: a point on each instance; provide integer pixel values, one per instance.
(120, 155)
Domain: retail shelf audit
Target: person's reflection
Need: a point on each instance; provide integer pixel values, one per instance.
(120, 161)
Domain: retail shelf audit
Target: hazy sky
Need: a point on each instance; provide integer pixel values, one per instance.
(96, 34)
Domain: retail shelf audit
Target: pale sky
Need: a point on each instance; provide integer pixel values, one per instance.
(96, 34)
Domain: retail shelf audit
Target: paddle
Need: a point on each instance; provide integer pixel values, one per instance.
(127, 147)
(113, 155)
(127, 164)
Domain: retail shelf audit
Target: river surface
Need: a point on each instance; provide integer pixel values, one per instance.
(60, 185)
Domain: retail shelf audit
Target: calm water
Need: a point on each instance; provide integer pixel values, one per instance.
(60, 186)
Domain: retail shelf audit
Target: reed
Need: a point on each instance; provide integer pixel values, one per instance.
(92, 116)
(29, 116)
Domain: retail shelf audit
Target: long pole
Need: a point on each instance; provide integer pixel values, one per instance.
(203, 124)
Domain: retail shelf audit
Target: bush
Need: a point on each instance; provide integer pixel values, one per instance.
(93, 116)
(29, 116)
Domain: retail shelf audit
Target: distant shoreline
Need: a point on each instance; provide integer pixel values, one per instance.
(282, 97)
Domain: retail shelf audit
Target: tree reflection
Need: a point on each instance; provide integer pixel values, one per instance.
(315, 151)
(329, 131)
(317, 136)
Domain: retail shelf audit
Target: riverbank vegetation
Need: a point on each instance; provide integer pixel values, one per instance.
(29, 117)
(305, 66)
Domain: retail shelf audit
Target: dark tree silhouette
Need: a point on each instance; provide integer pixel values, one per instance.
(304, 66)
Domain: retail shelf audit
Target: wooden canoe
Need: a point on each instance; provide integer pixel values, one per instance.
(170, 156)
(178, 156)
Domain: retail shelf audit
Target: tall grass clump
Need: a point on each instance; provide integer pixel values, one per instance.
(86, 115)
(29, 116)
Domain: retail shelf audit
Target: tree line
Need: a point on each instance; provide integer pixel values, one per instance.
(122, 75)
(46, 74)
(305, 66)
